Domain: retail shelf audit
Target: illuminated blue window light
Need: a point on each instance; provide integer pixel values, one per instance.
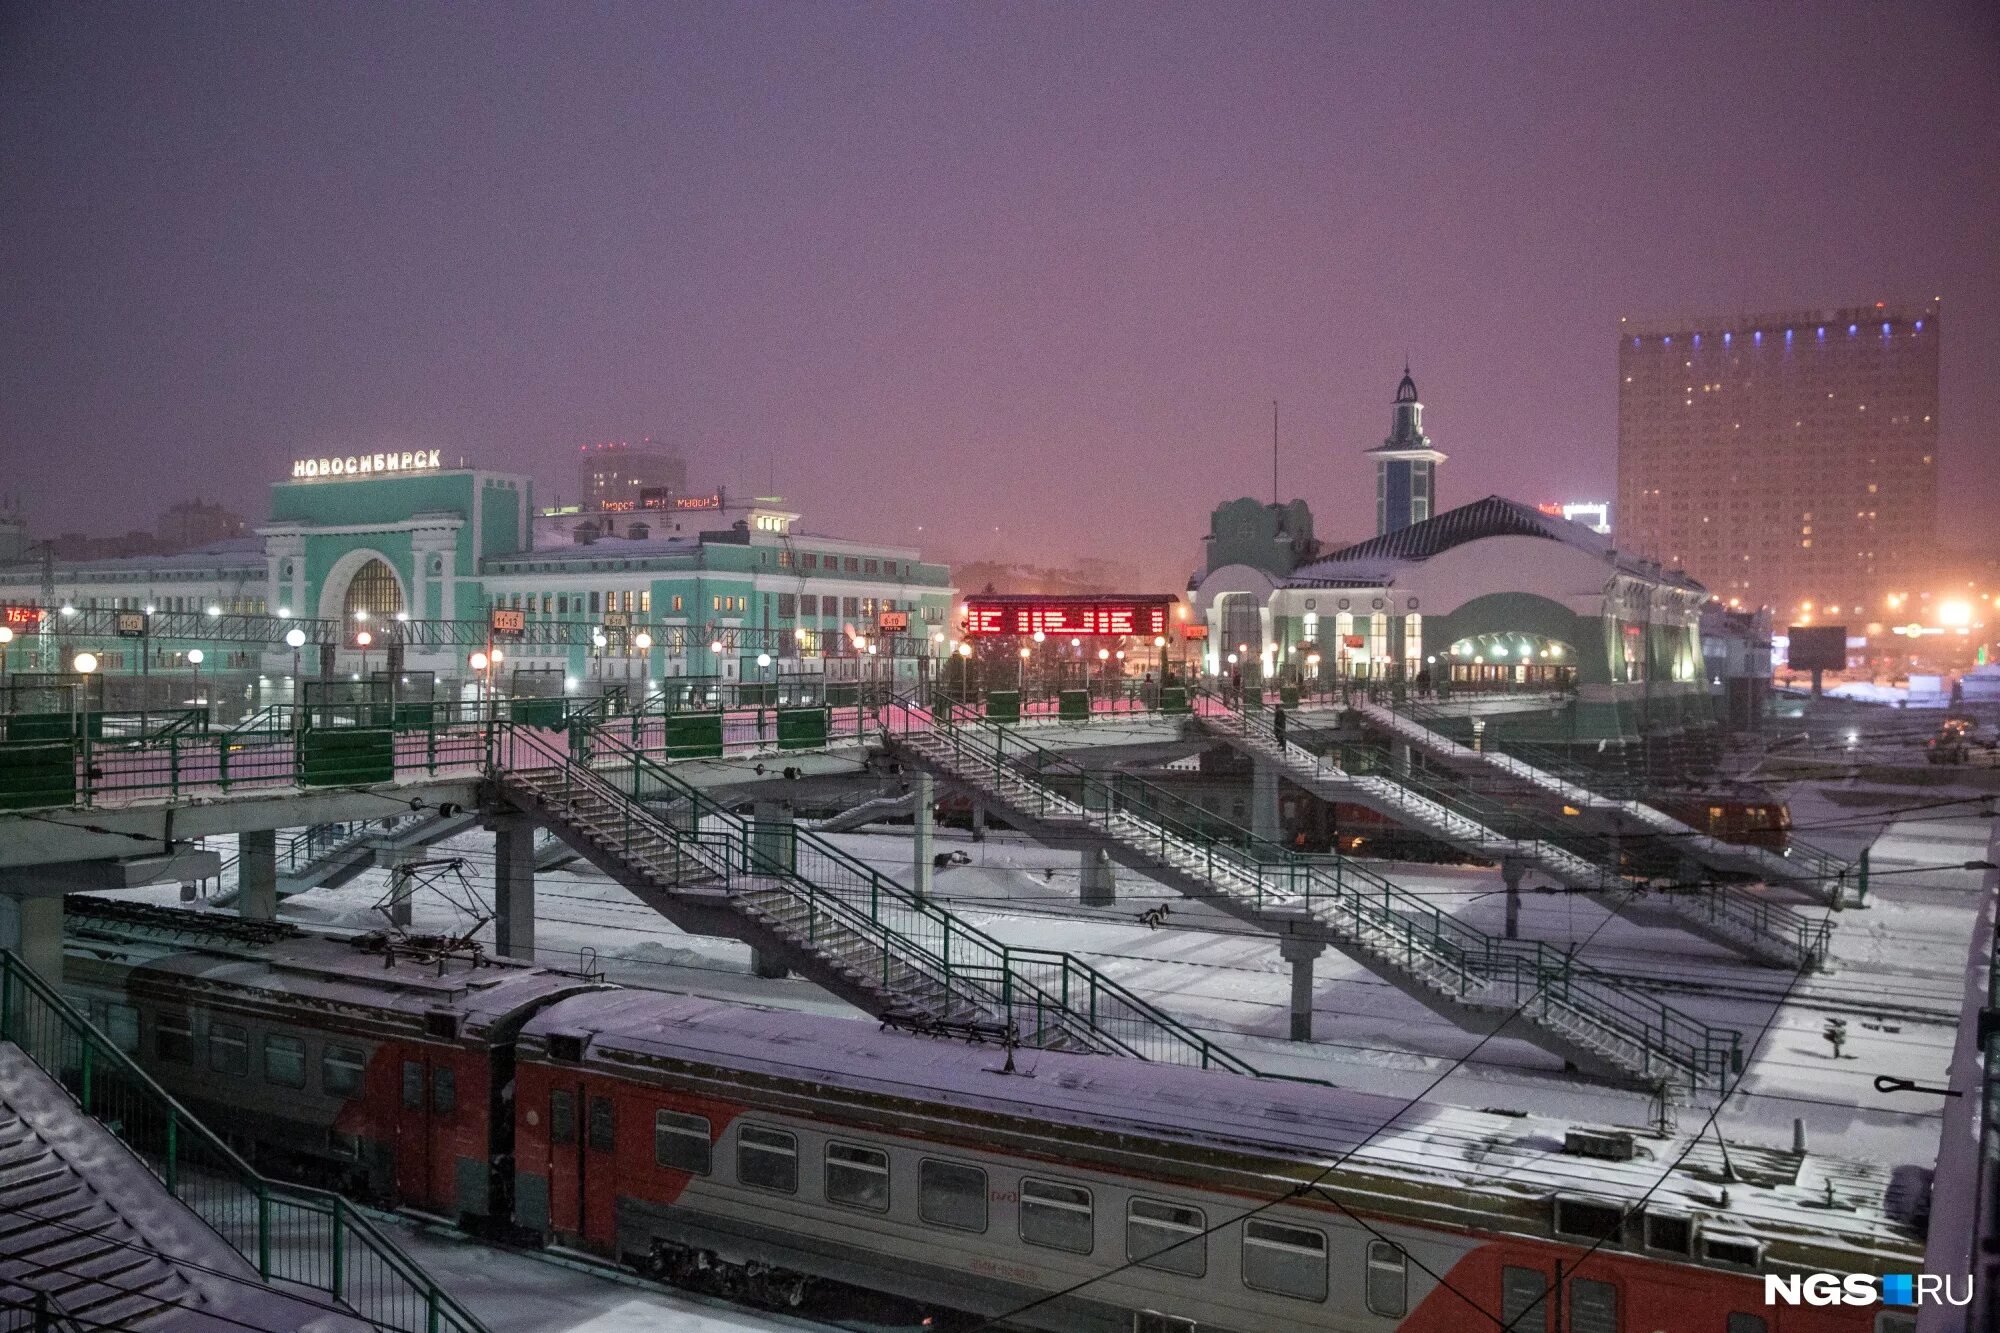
(1822, 333)
(1726, 337)
(1885, 328)
(1788, 335)
(1668, 339)
(1758, 337)
(1697, 340)
(1635, 342)
(1851, 328)
(1920, 326)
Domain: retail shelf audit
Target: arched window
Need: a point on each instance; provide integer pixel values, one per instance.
(373, 589)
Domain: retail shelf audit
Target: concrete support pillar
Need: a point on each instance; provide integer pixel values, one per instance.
(1399, 756)
(513, 887)
(1266, 821)
(767, 966)
(978, 820)
(31, 925)
(1301, 953)
(923, 810)
(401, 885)
(1511, 870)
(774, 838)
(1099, 881)
(257, 875)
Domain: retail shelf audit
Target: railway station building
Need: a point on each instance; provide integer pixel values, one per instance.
(1495, 593)
(365, 552)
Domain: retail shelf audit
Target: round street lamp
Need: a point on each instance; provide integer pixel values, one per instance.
(85, 663)
(195, 658)
(295, 638)
(642, 641)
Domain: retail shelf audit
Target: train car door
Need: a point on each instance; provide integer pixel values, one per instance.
(566, 1161)
(413, 1132)
(599, 1185)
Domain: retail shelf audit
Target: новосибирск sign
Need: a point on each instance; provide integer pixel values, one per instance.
(365, 465)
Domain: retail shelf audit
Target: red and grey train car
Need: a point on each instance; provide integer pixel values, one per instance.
(794, 1157)
(361, 1069)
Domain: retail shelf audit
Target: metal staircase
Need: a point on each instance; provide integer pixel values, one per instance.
(1740, 918)
(1802, 865)
(1586, 1017)
(121, 1210)
(862, 936)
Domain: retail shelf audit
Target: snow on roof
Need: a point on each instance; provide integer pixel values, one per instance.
(330, 971)
(1773, 1193)
(1376, 561)
(229, 553)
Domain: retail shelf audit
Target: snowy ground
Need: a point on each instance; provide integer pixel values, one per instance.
(1897, 981)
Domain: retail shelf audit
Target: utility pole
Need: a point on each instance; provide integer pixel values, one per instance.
(1274, 453)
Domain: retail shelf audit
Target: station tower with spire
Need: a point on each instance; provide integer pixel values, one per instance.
(1405, 465)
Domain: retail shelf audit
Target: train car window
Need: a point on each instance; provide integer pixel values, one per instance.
(1589, 1220)
(950, 1195)
(1388, 1278)
(562, 1117)
(768, 1159)
(857, 1177)
(1730, 1250)
(1673, 1235)
(118, 1022)
(1286, 1260)
(602, 1130)
(1166, 1236)
(1747, 1323)
(228, 1049)
(444, 1090)
(413, 1085)
(284, 1061)
(1593, 1306)
(340, 1071)
(1057, 1216)
(1524, 1302)
(681, 1141)
(173, 1039)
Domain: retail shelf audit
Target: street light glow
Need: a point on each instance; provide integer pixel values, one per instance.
(295, 638)
(195, 656)
(85, 662)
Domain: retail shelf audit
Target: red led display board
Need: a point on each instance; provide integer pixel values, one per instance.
(892, 622)
(23, 617)
(1074, 617)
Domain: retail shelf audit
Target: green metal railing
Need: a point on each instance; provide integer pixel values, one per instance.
(1549, 769)
(290, 1234)
(1042, 992)
(1368, 907)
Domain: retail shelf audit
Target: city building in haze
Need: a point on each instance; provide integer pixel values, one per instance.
(1405, 465)
(1783, 459)
(611, 475)
(193, 523)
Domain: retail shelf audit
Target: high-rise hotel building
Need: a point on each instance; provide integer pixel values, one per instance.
(1782, 458)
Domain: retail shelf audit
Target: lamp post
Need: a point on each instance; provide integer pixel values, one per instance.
(643, 641)
(1025, 652)
(6, 637)
(195, 656)
(295, 639)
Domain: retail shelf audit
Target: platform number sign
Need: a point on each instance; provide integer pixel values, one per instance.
(130, 624)
(509, 624)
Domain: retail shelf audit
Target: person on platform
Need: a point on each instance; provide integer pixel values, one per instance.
(1278, 725)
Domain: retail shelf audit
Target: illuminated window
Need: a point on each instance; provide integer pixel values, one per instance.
(373, 589)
